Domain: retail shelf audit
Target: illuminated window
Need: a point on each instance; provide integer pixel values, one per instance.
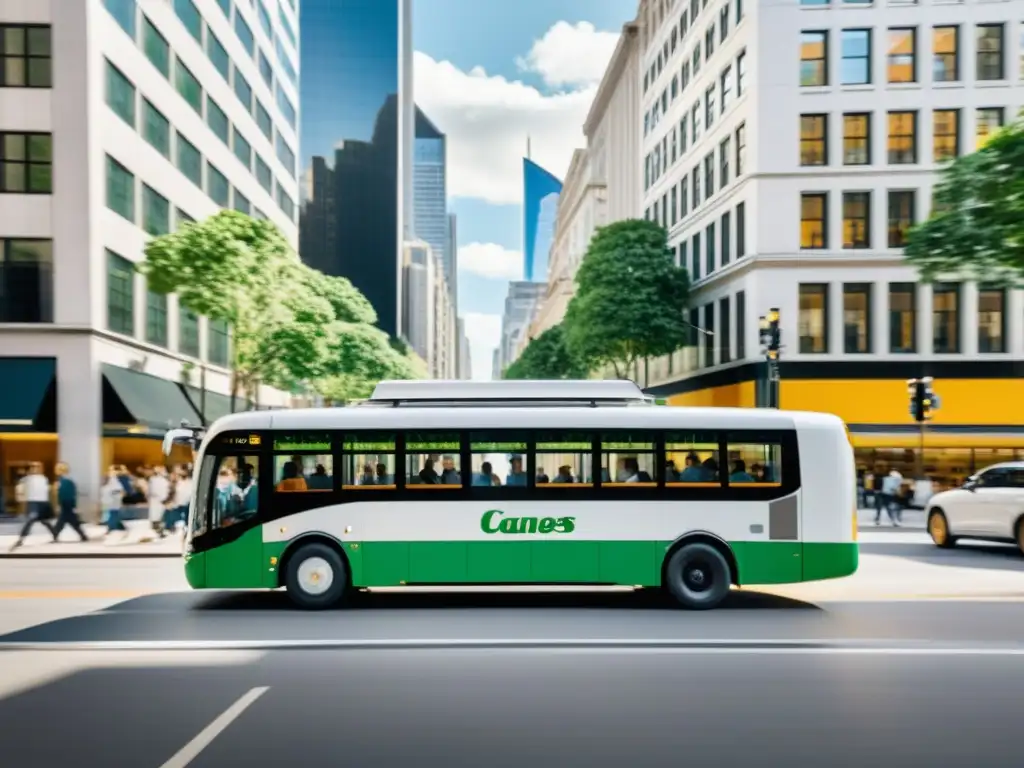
(987, 121)
(857, 318)
(813, 59)
(814, 220)
(946, 134)
(902, 58)
(991, 320)
(856, 219)
(902, 315)
(946, 54)
(813, 319)
(946, 318)
(857, 139)
(901, 217)
(902, 143)
(813, 139)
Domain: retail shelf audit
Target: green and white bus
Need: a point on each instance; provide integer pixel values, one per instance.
(505, 483)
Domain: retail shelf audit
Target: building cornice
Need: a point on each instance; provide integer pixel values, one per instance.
(612, 75)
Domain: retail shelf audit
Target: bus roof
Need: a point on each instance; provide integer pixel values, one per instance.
(419, 392)
(441, 418)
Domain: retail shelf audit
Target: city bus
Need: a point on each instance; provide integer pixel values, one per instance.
(519, 483)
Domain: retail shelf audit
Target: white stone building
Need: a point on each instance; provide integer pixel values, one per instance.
(124, 119)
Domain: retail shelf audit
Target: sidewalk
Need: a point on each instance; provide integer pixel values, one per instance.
(913, 521)
(40, 544)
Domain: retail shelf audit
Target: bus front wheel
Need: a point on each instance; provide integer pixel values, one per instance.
(698, 576)
(317, 577)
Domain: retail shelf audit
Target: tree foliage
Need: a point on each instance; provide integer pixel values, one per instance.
(546, 357)
(290, 325)
(976, 227)
(630, 298)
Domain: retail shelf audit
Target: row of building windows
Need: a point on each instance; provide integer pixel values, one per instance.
(902, 142)
(690, 67)
(718, 244)
(121, 316)
(187, 84)
(26, 56)
(156, 129)
(902, 55)
(813, 321)
(698, 186)
(856, 211)
(675, 144)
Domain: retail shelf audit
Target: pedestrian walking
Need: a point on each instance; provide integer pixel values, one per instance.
(112, 496)
(67, 502)
(888, 498)
(158, 491)
(36, 490)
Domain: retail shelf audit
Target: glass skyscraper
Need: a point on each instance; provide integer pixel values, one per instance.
(430, 210)
(541, 190)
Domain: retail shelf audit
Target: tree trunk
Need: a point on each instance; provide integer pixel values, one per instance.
(234, 388)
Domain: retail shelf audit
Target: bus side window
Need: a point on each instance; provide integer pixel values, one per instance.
(754, 462)
(303, 462)
(234, 495)
(691, 459)
(628, 458)
(433, 459)
(498, 459)
(369, 461)
(564, 459)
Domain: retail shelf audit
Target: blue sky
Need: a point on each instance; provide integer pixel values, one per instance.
(489, 74)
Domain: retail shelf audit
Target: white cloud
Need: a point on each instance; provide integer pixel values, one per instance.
(570, 54)
(484, 334)
(491, 260)
(488, 118)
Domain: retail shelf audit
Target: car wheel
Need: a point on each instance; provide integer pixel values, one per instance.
(316, 578)
(938, 529)
(1019, 534)
(698, 576)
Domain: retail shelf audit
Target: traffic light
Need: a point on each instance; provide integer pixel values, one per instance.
(771, 335)
(923, 401)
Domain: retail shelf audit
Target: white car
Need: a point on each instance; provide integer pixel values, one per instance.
(989, 506)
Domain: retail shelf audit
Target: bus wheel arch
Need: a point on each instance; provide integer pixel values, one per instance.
(320, 545)
(703, 537)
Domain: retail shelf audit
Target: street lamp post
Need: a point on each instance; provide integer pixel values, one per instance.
(771, 344)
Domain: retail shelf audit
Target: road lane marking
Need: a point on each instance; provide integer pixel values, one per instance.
(914, 647)
(191, 751)
(70, 594)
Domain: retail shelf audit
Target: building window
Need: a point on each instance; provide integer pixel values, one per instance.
(190, 162)
(725, 333)
(188, 332)
(217, 119)
(182, 218)
(695, 259)
(244, 32)
(813, 220)
(902, 138)
(242, 204)
(190, 17)
(264, 121)
(156, 212)
(741, 230)
(218, 342)
(26, 281)
(901, 216)
(120, 294)
(709, 245)
(123, 12)
(120, 189)
(709, 338)
(242, 148)
(696, 186)
(217, 186)
(813, 139)
(741, 73)
(218, 55)
(990, 63)
(857, 318)
(987, 121)
(902, 318)
(857, 139)
(188, 87)
(266, 70)
(673, 207)
(741, 325)
(709, 107)
(725, 86)
(726, 238)
(263, 175)
(286, 155)
(946, 54)
(156, 128)
(902, 60)
(724, 155)
(286, 106)
(157, 50)
(813, 320)
(856, 53)
(156, 318)
(286, 204)
(991, 320)
(741, 149)
(946, 134)
(26, 54)
(813, 59)
(243, 91)
(120, 94)
(27, 163)
(709, 175)
(856, 219)
(946, 318)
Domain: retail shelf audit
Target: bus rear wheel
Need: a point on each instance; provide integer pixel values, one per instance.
(316, 578)
(698, 576)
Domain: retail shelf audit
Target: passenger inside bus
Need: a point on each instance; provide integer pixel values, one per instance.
(564, 475)
(739, 473)
(516, 475)
(291, 480)
(486, 477)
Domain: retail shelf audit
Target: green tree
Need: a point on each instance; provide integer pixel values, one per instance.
(976, 227)
(629, 301)
(361, 355)
(546, 357)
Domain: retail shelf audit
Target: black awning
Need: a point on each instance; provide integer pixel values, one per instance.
(28, 387)
(131, 397)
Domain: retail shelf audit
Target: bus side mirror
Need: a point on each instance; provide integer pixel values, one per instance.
(178, 436)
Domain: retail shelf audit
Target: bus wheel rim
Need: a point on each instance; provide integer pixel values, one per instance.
(315, 576)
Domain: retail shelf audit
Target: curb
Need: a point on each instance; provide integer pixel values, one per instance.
(88, 556)
(889, 529)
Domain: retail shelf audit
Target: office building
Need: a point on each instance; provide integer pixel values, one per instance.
(430, 192)
(788, 148)
(121, 121)
(357, 146)
(540, 208)
(452, 249)
(520, 306)
(427, 312)
(464, 362)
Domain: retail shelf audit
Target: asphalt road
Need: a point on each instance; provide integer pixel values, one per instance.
(917, 660)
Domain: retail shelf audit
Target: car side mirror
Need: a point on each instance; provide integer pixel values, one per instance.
(971, 485)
